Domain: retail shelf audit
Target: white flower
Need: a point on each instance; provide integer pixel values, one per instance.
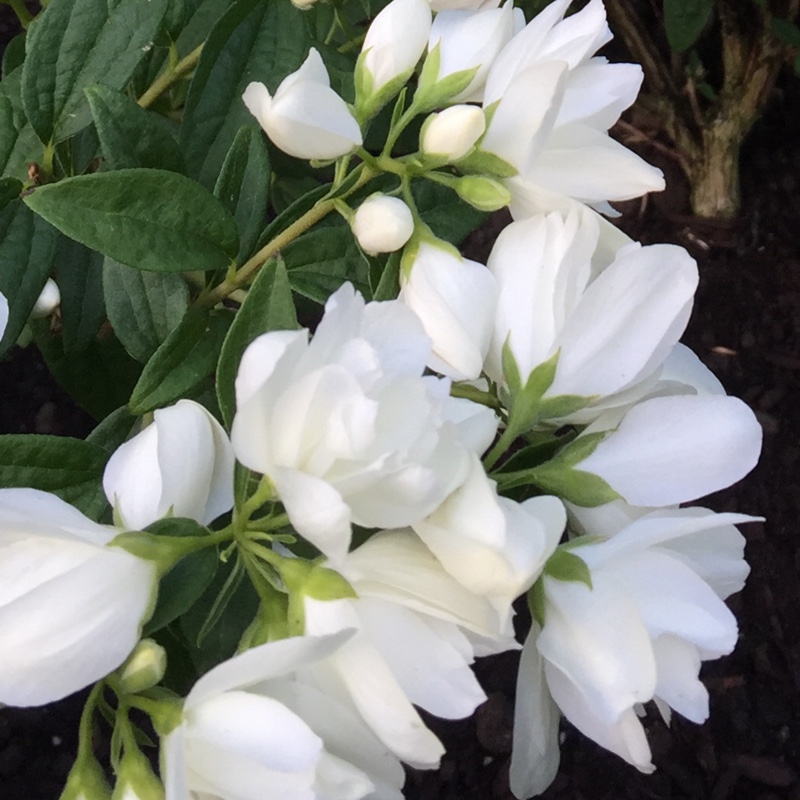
(71, 608)
(452, 133)
(639, 633)
(455, 299)
(305, 118)
(179, 465)
(413, 644)
(610, 330)
(47, 301)
(253, 728)
(469, 40)
(675, 449)
(395, 42)
(553, 106)
(492, 545)
(347, 428)
(382, 224)
(3, 314)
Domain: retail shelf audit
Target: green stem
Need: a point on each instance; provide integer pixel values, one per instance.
(248, 270)
(23, 15)
(503, 443)
(476, 395)
(87, 717)
(170, 76)
(404, 121)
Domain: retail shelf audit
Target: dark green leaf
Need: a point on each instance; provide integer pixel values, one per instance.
(320, 261)
(19, 145)
(267, 307)
(143, 307)
(27, 249)
(129, 135)
(69, 468)
(146, 218)
(187, 356)
(99, 377)
(787, 30)
(256, 40)
(114, 430)
(79, 275)
(221, 614)
(187, 580)
(684, 21)
(291, 214)
(10, 189)
(75, 43)
(14, 54)
(449, 217)
(243, 186)
(385, 277)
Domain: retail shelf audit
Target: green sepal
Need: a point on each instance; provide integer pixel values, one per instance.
(368, 101)
(483, 192)
(574, 485)
(481, 162)
(564, 565)
(433, 92)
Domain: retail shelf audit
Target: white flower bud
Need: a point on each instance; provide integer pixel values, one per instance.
(305, 118)
(452, 133)
(144, 668)
(48, 300)
(382, 224)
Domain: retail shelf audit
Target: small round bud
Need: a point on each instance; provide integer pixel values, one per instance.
(144, 668)
(452, 133)
(483, 193)
(382, 224)
(303, 4)
(48, 300)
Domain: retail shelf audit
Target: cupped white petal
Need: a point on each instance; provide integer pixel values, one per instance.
(675, 449)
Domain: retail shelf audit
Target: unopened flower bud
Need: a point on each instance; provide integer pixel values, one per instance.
(382, 224)
(145, 668)
(48, 300)
(135, 779)
(452, 133)
(303, 4)
(485, 194)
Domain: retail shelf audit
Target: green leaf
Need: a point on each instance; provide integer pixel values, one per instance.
(143, 307)
(79, 275)
(27, 249)
(222, 614)
(187, 356)
(75, 43)
(385, 276)
(19, 145)
(115, 429)
(10, 189)
(449, 217)
(14, 54)
(564, 565)
(267, 307)
(187, 580)
(256, 40)
(243, 187)
(69, 468)
(786, 30)
(684, 21)
(129, 135)
(146, 218)
(291, 214)
(99, 377)
(320, 261)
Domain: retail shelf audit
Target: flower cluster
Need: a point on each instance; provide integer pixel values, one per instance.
(388, 481)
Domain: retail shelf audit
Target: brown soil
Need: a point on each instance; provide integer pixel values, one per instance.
(746, 327)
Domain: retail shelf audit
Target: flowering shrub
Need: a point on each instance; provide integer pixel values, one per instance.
(332, 451)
